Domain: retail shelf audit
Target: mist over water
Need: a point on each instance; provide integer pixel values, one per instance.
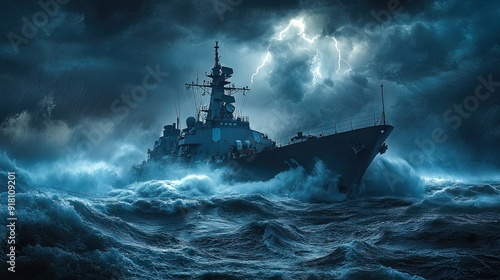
(94, 220)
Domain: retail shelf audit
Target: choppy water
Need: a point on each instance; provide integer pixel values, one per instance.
(293, 227)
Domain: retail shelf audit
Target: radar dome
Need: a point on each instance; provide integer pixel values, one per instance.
(190, 121)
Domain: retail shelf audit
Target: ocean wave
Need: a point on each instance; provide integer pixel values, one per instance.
(391, 177)
(196, 225)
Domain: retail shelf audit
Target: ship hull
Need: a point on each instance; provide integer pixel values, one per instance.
(347, 154)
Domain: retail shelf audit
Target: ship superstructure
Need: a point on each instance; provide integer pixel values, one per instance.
(220, 135)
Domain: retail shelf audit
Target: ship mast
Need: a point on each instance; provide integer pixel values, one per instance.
(220, 107)
(216, 54)
(383, 105)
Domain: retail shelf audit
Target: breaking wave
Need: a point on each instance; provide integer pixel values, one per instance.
(93, 222)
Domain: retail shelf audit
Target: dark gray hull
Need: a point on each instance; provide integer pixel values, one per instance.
(347, 154)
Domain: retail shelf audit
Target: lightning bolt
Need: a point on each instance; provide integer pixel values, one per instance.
(268, 56)
(349, 65)
(300, 25)
(340, 59)
(340, 55)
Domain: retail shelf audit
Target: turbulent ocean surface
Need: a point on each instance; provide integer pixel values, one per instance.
(87, 224)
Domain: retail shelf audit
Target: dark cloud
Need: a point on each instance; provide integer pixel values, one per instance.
(291, 73)
(105, 19)
(58, 88)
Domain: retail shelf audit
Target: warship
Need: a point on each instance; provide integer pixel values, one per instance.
(218, 136)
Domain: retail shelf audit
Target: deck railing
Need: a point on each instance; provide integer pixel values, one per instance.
(335, 127)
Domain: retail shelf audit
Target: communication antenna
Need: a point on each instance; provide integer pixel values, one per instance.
(383, 105)
(177, 109)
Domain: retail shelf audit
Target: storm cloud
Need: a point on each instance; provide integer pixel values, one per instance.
(75, 89)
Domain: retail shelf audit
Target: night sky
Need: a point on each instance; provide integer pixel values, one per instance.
(95, 81)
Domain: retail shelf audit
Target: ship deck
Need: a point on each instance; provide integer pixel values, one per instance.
(333, 128)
